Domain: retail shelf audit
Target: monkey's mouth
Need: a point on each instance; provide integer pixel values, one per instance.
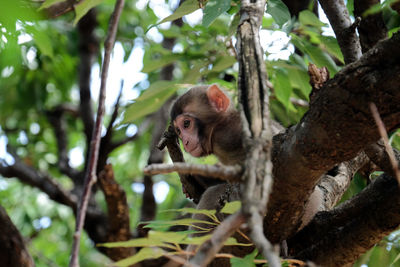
(196, 151)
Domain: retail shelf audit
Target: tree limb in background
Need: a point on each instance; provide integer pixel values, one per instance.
(34, 178)
(90, 178)
(106, 140)
(13, 251)
(55, 117)
(345, 32)
(88, 48)
(118, 214)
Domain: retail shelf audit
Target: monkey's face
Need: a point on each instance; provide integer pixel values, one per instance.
(187, 130)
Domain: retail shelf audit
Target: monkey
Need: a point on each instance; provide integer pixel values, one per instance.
(201, 118)
(207, 122)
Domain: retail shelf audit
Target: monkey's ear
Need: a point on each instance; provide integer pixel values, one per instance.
(218, 99)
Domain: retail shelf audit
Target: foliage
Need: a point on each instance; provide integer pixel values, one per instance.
(159, 243)
(39, 64)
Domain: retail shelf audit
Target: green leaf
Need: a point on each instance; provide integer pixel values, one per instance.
(282, 86)
(186, 8)
(49, 3)
(279, 11)
(331, 45)
(223, 63)
(143, 254)
(159, 63)
(185, 221)
(247, 261)
(234, 25)
(154, 238)
(299, 79)
(83, 7)
(43, 41)
(231, 207)
(138, 242)
(198, 240)
(150, 101)
(192, 76)
(319, 57)
(209, 213)
(307, 17)
(214, 9)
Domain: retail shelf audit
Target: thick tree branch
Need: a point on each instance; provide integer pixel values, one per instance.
(337, 126)
(118, 214)
(352, 228)
(346, 36)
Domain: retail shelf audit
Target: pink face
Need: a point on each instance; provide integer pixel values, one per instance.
(187, 131)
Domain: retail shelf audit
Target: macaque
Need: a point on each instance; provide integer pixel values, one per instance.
(206, 121)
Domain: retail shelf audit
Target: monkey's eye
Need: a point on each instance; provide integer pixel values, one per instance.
(178, 131)
(186, 124)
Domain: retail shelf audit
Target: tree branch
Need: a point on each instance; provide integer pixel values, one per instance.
(88, 48)
(352, 228)
(34, 178)
(13, 251)
(254, 105)
(90, 178)
(218, 171)
(346, 36)
(118, 214)
(337, 126)
(60, 131)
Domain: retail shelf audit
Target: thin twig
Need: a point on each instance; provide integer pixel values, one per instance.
(383, 134)
(90, 177)
(227, 173)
